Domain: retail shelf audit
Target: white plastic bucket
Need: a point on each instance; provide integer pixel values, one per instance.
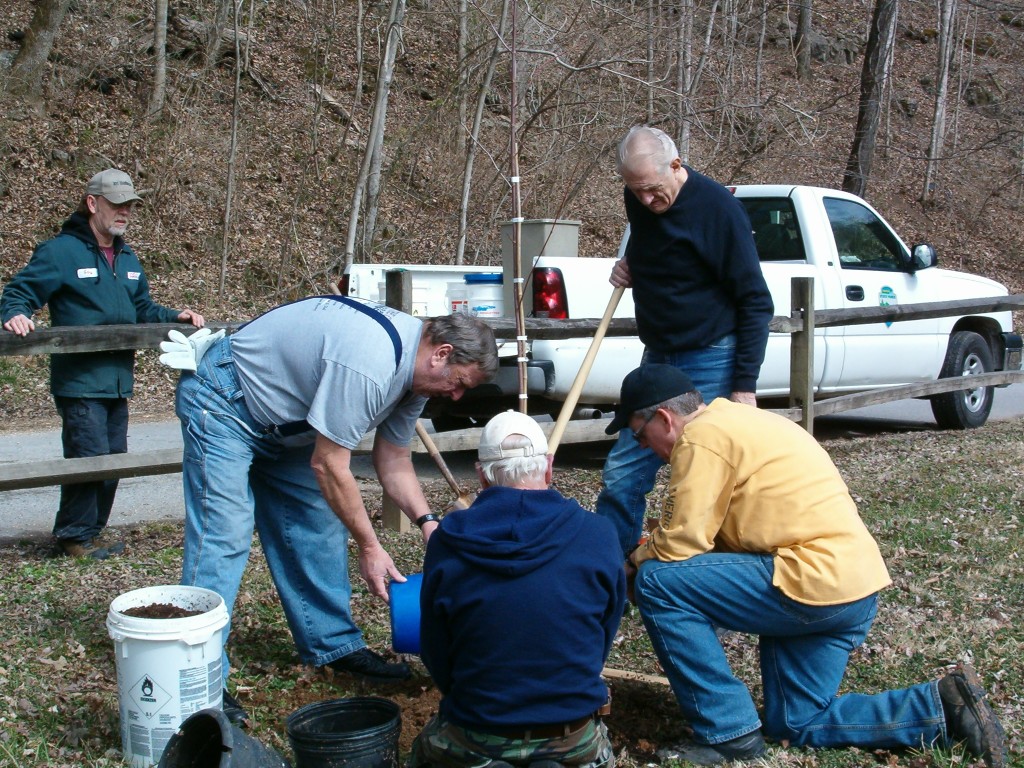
(167, 669)
(457, 299)
(486, 294)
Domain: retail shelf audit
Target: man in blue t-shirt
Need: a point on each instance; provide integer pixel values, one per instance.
(521, 599)
(702, 304)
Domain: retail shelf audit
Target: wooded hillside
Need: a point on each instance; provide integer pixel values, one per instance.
(250, 167)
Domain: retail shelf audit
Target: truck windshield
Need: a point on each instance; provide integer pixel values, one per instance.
(862, 240)
(776, 233)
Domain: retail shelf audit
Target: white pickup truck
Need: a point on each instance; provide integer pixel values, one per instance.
(856, 260)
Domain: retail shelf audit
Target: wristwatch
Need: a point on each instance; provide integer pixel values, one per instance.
(430, 517)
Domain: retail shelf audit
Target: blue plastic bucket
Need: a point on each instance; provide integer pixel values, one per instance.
(404, 599)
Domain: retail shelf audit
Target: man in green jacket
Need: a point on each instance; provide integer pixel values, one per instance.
(89, 276)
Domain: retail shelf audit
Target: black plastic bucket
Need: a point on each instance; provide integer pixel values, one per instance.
(346, 733)
(207, 739)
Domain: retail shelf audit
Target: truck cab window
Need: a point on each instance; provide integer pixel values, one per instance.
(776, 233)
(862, 240)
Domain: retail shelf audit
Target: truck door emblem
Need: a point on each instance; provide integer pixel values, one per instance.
(886, 298)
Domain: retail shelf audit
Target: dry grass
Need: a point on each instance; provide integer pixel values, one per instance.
(945, 507)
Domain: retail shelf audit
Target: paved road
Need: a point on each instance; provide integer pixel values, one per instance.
(29, 514)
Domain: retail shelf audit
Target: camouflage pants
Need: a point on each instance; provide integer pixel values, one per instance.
(445, 745)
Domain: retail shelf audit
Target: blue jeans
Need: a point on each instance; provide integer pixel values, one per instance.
(235, 477)
(629, 470)
(804, 651)
(91, 427)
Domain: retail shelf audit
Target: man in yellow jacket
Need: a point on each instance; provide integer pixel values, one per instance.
(759, 535)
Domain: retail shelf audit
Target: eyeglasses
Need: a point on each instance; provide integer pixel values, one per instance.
(638, 433)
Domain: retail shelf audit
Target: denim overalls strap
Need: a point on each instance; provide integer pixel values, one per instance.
(298, 427)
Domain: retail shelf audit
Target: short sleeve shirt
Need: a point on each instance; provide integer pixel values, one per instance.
(331, 361)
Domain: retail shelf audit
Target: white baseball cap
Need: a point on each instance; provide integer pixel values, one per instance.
(511, 423)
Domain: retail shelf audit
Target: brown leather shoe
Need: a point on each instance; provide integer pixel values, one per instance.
(87, 548)
(969, 718)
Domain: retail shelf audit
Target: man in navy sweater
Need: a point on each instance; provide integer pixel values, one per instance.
(521, 599)
(702, 304)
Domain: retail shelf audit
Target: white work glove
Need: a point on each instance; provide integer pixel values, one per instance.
(185, 352)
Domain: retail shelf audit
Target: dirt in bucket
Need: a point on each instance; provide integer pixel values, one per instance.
(161, 611)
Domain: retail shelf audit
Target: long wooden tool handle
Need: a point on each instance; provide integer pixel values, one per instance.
(435, 454)
(581, 377)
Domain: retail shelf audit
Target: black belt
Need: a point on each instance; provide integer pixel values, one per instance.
(289, 429)
(546, 731)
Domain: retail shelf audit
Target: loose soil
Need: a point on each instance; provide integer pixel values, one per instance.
(161, 611)
(640, 713)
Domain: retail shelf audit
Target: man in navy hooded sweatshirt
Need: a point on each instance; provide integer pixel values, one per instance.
(522, 596)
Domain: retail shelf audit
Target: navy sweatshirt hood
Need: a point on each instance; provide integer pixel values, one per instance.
(511, 533)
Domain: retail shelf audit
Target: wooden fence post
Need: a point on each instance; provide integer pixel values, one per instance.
(801, 351)
(398, 295)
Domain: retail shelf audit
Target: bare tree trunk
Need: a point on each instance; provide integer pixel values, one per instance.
(357, 94)
(215, 31)
(947, 14)
(872, 82)
(471, 143)
(232, 155)
(463, 45)
(250, 23)
(965, 69)
(372, 194)
(159, 94)
(803, 41)
(373, 181)
(26, 77)
(887, 92)
(385, 74)
(651, 27)
(759, 65)
(684, 75)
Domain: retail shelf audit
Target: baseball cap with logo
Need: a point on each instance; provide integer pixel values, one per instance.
(114, 185)
(511, 423)
(645, 386)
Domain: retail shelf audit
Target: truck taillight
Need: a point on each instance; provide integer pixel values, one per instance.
(549, 298)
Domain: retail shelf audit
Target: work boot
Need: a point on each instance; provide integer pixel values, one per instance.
(87, 548)
(969, 718)
(233, 711)
(747, 747)
(109, 542)
(368, 665)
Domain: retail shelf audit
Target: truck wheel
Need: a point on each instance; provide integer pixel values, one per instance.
(967, 355)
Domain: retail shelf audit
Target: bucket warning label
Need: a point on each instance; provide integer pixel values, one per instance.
(148, 696)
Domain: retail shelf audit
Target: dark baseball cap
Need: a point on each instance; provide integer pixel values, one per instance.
(648, 385)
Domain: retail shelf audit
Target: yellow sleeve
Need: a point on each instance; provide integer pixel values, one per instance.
(700, 487)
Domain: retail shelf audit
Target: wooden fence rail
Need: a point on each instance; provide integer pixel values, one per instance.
(800, 323)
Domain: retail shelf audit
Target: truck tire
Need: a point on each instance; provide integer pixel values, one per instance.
(968, 354)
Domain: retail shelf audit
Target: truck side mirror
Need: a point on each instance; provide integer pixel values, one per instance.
(922, 256)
